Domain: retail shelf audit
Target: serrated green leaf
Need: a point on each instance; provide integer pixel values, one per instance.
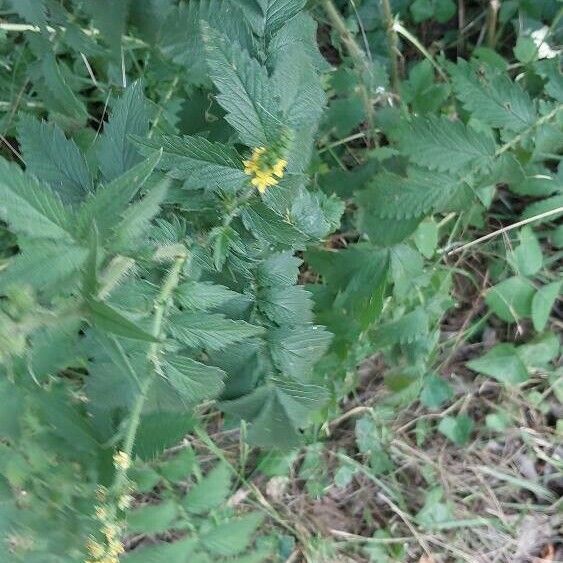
(270, 227)
(200, 296)
(106, 207)
(183, 41)
(285, 305)
(444, 145)
(130, 116)
(111, 320)
(160, 430)
(296, 350)
(193, 381)
(31, 208)
(54, 159)
(44, 265)
(152, 518)
(201, 163)
(208, 331)
(66, 101)
(232, 537)
(245, 90)
(407, 329)
(210, 492)
(390, 196)
(492, 97)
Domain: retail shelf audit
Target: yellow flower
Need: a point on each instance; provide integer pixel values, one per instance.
(279, 167)
(115, 547)
(95, 549)
(110, 531)
(264, 173)
(124, 502)
(101, 513)
(121, 460)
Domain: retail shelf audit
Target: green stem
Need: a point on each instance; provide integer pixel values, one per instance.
(359, 56)
(392, 44)
(160, 306)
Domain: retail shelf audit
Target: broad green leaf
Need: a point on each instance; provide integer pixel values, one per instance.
(285, 305)
(279, 269)
(106, 207)
(245, 90)
(210, 492)
(503, 363)
(110, 17)
(160, 430)
(200, 296)
(137, 218)
(180, 551)
(182, 39)
(44, 265)
(130, 116)
(111, 320)
(543, 302)
(152, 518)
(210, 331)
(276, 411)
(275, 13)
(61, 97)
(234, 536)
(193, 381)
(407, 329)
(31, 208)
(458, 429)
(435, 391)
(511, 299)
(390, 196)
(54, 159)
(426, 238)
(296, 350)
(541, 350)
(492, 97)
(444, 145)
(201, 163)
(268, 226)
(528, 254)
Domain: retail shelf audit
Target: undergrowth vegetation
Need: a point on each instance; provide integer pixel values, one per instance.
(280, 280)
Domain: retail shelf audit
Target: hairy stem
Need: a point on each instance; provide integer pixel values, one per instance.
(160, 307)
(359, 56)
(392, 44)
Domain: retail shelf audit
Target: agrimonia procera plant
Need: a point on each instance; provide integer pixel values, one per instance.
(155, 272)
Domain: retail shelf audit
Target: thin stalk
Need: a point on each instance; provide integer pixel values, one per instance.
(357, 53)
(392, 44)
(160, 307)
(492, 18)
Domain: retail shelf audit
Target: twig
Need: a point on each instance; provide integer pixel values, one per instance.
(407, 520)
(505, 229)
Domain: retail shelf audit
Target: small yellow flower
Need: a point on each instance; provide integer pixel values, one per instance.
(121, 460)
(279, 167)
(115, 547)
(101, 513)
(95, 549)
(124, 502)
(110, 531)
(264, 173)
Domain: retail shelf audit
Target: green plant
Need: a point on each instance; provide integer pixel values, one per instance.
(203, 220)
